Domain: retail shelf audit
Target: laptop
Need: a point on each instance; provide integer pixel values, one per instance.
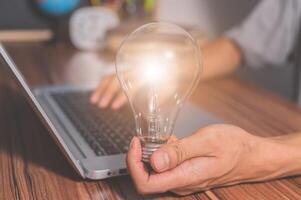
(94, 140)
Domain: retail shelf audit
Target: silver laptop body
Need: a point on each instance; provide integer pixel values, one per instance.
(70, 138)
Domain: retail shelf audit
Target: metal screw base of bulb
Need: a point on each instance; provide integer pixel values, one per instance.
(148, 148)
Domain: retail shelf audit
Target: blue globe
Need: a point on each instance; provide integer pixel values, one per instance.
(57, 7)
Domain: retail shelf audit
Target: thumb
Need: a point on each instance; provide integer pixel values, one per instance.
(173, 154)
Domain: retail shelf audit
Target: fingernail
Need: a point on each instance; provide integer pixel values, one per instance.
(161, 160)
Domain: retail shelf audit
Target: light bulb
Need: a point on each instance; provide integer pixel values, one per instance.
(158, 66)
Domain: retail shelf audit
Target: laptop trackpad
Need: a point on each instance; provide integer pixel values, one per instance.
(191, 118)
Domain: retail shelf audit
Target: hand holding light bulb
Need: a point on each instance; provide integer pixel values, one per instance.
(201, 161)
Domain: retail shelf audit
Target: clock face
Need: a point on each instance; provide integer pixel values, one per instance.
(88, 27)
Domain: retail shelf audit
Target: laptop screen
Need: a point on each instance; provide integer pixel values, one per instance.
(7, 64)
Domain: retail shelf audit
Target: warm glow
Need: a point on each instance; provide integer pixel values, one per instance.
(153, 73)
(169, 54)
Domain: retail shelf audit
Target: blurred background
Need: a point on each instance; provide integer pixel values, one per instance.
(97, 24)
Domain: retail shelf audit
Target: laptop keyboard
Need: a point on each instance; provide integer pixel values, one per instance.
(107, 132)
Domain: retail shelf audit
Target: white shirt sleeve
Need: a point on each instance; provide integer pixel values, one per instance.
(268, 34)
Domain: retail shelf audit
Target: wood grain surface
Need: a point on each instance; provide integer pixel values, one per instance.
(32, 166)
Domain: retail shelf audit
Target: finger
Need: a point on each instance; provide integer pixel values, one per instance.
(100, 88)
(135, 165)
(119, 101)
(172, 154)
(144, 182)
(109, 93)
(188, 173)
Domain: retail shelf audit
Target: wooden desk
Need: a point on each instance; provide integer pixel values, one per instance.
(32, 167)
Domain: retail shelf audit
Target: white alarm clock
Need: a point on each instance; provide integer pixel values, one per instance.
(88, 27)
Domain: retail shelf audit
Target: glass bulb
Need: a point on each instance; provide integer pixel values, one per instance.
(158, 66)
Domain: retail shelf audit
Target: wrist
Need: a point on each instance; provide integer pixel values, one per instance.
(275, 157)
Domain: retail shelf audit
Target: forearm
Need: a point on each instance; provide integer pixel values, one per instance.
(220, 57)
